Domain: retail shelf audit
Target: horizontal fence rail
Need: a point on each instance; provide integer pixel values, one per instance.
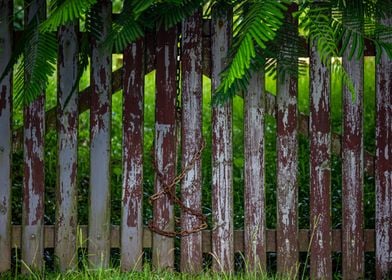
(181, 56)
(304, 236)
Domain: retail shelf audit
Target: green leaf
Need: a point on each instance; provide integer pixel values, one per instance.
(63, 12)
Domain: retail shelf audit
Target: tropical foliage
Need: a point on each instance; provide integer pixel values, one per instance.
(259, 33)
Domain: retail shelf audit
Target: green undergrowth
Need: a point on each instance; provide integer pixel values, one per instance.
(147, 273)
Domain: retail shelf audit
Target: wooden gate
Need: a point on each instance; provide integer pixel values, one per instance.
(204, 46)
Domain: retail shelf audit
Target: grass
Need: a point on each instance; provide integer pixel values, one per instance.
(146, 273)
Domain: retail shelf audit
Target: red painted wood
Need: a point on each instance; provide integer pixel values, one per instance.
(100, 126)
(287, 164)
(352, 171)
(222, 152)
(165, 144)
(34, 178)
(191, 56)
(254, 227)
(6, 13)
(67, 122)
(132, 197)
(320, 168)
(384, 165)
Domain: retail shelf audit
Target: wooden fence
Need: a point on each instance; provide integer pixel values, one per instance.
(204, 46)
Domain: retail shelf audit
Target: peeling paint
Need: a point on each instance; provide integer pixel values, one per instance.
(254, 227)
(287, 165)
(100, 129)
(222, 166)
(383, 172)
(33, 181)
(66, 193)
(191, 260)
(320, 170)
(352, 172)
(165, 143)
(132, 210)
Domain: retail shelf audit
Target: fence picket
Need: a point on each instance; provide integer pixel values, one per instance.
(222, 154)
(67, 148)
(320, 168)
(384, 165)
(165, 144)
(6, 11)
(100, 126)
(254, 179)
(191, 56)
(352, 169)
(132, 197)
(34, 178)
(287, 162)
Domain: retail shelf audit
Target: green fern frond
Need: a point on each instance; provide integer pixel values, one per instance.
(63, 12)
(258, 26)
(93, 23)
(129, 25)
(170, 12)
(38, 64)
(360, 23)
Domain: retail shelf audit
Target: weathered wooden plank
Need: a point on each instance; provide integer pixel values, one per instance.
(6, 12)
(34, 179)
(67, 148)
(254, 179)
(352, 168)
(191, 55)
(222, 165)
(303, 236)
(320, 167)
(165, 144)
(132, 188)
(100, 126)
(287, 164)
(384, 164)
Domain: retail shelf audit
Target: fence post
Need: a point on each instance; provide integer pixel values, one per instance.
(254, 227)
(384, 164)
(222, 165)
(352, 166)
(287, 161)
(6, 14)
(67, 148)
(165, 144)
(100, 126)
(132, 196)
(191, 57)
(320, 167)
(34, 178)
